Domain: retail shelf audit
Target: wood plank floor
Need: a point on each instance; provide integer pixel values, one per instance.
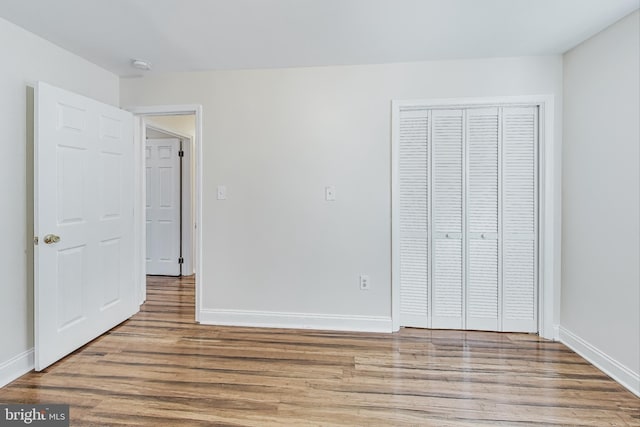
(161, 369)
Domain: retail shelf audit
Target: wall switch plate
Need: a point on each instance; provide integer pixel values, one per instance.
(330, 193)
(365, 282)
(222, 192)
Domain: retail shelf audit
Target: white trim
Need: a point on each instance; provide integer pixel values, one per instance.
(16, 367)
(607, 364)
(395, 214)
(189, 219)
(165, 110)
(272, 319)
(139, 207)
(549, 253)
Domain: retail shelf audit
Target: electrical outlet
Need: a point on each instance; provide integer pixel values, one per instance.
(330, 193)
(365, 283)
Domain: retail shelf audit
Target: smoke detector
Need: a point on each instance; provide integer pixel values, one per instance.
(141, 64)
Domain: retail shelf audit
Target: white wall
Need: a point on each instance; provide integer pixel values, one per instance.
(28, 58)
(184, 124)
(275, 251)
(601, 207)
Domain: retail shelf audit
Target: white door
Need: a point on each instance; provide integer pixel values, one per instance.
(163, 206)
(483, 291)
(467, 221)
(84, 271)
(520, 218)
(447, 194)
(413, 175)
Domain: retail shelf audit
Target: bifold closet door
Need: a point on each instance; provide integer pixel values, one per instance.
(468, 218)
(520, 219)
(482, 288)
(448, 176)
(413, 183)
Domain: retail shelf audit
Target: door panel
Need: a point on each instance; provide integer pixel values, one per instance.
(447, 281)
(414, 289)
(110, 185)
(482, 153)
(448, 178)
(482, 285)
(163, 206)
(71, 294)
(447, 171)
(110, 251)
(414, 208)
(84, 282)
(520, 195)
(483, 212)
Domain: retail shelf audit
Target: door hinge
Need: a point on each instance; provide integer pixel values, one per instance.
(181, 153)
(180, 260)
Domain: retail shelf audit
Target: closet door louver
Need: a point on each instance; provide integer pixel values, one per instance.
(482, 284)
(468, 218)
(413, 181)
(447, 166)
(519, 200)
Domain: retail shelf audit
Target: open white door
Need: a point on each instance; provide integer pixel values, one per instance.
(163, 205)
(84, 258)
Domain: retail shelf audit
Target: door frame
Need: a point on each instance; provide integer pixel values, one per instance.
(548, 201)
(140, 112)
(187, 228)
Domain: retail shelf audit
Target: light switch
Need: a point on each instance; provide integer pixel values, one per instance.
(330, 193)
(222, 192)
(365, 283)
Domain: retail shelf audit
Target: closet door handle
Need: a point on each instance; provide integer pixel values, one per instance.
(482, 235)
(446, 235)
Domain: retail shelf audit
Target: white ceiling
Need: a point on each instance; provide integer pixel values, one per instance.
(187, 35)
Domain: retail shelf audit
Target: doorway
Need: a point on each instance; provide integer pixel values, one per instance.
(169, 189)
(181, 122)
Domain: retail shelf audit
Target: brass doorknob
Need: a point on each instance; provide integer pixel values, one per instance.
(51, 238)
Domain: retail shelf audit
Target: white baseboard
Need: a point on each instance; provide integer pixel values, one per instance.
(16, 367)
(270, 319)
(616, 370)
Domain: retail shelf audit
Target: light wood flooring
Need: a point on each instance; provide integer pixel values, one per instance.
(162, 369)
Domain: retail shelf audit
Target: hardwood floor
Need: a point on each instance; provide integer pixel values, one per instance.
(162, 369)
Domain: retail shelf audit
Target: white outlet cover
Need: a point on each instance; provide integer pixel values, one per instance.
(222, 192)
(330, 193)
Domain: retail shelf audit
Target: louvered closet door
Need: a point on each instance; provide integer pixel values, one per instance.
(468, 216)
(413, 182)
(482, 284)
(447, 198)
(519, 201)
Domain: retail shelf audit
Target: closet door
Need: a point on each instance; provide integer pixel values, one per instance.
(447, 198)
(520, 219)
(483, 212)
(468, 218)
(413, 182)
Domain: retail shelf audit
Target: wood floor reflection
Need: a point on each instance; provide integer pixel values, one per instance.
(160, 368)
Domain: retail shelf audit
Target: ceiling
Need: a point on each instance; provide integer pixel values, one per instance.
(188, 35)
